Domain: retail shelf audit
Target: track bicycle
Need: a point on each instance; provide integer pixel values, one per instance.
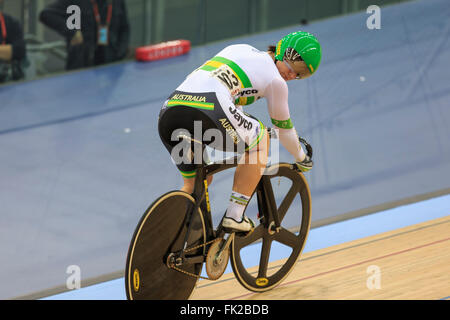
(175, 236)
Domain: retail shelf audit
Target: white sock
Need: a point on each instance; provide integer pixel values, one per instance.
(238, 203)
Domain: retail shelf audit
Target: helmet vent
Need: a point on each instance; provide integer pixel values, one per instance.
(292, 55)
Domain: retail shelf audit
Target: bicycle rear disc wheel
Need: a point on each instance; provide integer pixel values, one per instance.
(270, 274)
(161, 231)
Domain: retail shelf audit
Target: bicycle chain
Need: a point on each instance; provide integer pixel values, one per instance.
(189, 273)
(174, 267)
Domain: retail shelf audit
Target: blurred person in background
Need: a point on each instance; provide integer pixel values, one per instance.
(104, 34)
(12, 48)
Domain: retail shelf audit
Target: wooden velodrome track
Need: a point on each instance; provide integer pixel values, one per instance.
(409, 263)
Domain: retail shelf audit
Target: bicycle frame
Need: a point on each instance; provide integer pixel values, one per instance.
(265, 200)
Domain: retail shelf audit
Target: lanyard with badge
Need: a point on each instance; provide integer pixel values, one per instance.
(103, 29)
(3, 27)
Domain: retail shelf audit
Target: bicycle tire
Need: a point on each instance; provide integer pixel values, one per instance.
(260, 281)
(160, 231)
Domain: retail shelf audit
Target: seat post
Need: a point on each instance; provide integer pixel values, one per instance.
(199, 187)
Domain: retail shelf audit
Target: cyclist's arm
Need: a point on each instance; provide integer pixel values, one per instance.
(277, 102)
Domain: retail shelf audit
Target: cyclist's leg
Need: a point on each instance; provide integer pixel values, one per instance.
(253, 135)
(248, 172)
(173, 119)
(246, 178)
(189, 183)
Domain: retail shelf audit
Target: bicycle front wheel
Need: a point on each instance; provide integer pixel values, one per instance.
(292, 196)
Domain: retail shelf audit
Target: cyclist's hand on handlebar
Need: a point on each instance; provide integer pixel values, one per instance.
(305, 165)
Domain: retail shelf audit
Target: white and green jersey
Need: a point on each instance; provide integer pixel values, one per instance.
(244, 72)
(239, 75)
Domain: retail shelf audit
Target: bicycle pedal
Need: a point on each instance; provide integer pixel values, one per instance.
(245, 234)
(227, 230)
(238, 233)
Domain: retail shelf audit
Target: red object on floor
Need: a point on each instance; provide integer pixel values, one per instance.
(163, 50)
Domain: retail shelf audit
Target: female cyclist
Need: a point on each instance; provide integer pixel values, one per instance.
(212, 96)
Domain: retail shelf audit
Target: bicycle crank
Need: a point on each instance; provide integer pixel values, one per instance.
(217, 257)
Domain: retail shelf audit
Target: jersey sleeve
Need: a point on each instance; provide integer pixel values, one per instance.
(276, 94)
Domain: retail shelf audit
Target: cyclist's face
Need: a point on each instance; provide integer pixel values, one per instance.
(294, 70)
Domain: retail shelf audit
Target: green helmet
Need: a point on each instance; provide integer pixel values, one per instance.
(302, 45)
